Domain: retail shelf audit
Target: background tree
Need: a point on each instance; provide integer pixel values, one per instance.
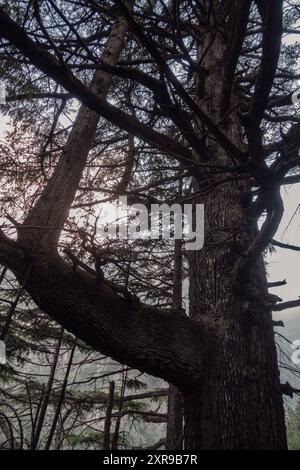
(54, 390)
(293, 427)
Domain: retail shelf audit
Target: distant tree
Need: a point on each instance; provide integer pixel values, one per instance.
(293, 426)
(48, 393)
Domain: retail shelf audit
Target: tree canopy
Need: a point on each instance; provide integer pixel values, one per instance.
(162, 102)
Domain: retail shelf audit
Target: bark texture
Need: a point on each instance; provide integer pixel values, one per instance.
(239, 404)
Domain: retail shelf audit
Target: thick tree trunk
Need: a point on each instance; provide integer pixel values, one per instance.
(238, 404)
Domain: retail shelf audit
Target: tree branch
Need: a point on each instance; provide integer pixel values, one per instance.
(153, 340)
(240, 17)
(275, 210)
(287, 389)
(277, 283)
(285, 305)
(272, 30)
(285, 245)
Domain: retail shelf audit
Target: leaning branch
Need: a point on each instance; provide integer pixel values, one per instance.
(287, 246)
(146, 338)
(286, 305)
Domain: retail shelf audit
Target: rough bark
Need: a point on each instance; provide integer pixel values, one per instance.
(239, 404)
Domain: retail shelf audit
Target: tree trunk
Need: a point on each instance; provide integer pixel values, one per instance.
(238, 405)
(107, 423)
(46, 394)
(175, 419)
(61, 399)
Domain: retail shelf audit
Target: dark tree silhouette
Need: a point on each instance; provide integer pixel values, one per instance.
(203, 89)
